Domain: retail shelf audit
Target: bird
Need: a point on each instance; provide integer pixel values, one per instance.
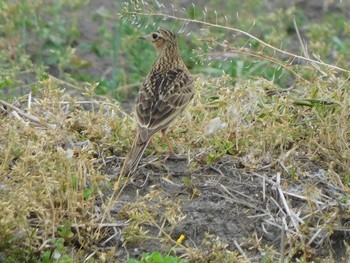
(164, 94)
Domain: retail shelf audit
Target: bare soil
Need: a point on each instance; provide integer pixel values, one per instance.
(228, 203)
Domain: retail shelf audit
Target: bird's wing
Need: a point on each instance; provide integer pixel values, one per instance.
(162, 98)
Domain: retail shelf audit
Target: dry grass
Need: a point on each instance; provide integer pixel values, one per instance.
(48, 175)
(52, 188)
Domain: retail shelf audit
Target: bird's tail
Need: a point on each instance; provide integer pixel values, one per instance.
(134, 156)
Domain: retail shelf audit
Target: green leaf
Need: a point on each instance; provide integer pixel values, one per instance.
(87, 193)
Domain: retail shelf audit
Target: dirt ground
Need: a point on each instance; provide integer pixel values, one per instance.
(224, 200)
(227, 203)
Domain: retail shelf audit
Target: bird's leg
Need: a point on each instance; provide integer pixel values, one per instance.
(172, 155)
(168, 142)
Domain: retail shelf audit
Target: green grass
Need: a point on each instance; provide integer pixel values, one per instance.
(252, 104)
(157, 257)
(49, 35)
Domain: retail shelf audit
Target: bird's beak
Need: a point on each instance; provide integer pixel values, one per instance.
(147, 37)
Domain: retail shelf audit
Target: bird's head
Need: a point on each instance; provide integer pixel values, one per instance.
(161, 39)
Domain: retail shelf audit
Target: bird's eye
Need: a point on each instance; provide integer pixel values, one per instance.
(155, 36)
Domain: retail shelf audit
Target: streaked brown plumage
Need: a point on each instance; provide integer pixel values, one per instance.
(165, 93)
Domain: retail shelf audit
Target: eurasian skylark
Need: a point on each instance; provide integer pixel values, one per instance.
(165, 93)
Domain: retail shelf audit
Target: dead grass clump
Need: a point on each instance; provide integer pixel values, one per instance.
(49, 182)
(263, 124)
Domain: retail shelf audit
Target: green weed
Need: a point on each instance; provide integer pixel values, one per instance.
(157, 257)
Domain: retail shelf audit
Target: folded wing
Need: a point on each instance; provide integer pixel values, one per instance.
(162, 98)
